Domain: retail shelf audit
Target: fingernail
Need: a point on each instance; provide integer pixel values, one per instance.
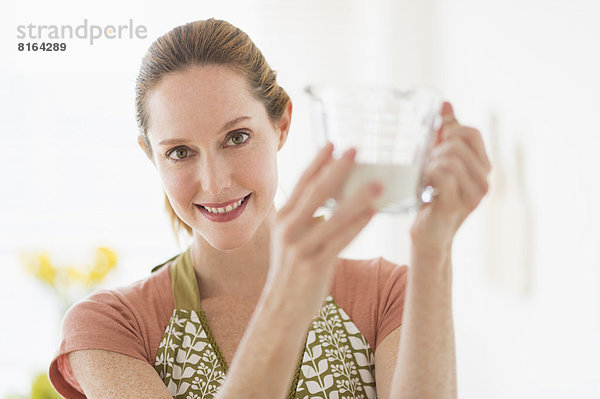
(447, 108)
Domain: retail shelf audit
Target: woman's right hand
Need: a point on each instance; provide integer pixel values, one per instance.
(302, 263)
(304, 249)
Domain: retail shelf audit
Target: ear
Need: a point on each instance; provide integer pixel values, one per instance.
(144, 147)
(284, 125)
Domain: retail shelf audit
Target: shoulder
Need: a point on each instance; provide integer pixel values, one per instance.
(371, 292)
(121, 319)
(366, 273)
(129, 320)
(149, 295)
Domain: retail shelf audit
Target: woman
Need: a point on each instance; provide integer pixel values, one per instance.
(231, 316)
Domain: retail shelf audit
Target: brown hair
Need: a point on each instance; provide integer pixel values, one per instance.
(207, 42)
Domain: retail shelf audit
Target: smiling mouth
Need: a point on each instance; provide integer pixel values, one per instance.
(226, 209)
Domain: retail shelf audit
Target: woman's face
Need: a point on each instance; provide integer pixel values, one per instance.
(214, 146)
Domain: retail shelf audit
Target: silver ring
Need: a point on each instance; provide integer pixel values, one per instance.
(428, 194)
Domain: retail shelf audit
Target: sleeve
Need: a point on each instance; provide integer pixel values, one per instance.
(104, 320)
(391, 283)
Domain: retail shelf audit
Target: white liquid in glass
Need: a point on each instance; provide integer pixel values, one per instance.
(400, 183)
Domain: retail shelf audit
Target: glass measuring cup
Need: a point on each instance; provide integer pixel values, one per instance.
(392, 131)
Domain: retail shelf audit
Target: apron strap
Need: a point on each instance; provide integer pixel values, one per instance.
(184, 284)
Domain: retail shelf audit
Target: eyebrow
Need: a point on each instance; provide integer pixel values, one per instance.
(226, 126)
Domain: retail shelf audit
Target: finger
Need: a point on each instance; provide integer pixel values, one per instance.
(450, 126)
(448, 120)
(455, 147)
(344, 217)
(472, 137)
(321, 159)
(323, 186)
(436, 174)
(470, 190)
(455, 184)
(448, 117)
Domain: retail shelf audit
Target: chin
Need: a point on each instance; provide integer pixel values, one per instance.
(230, 235)
(227, 244)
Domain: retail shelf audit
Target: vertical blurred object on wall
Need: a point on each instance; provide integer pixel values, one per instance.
(508, 255)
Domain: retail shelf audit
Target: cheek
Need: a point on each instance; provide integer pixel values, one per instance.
(176, 183)
(258, 170)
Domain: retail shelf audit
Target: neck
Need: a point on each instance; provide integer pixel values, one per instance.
(239, 272)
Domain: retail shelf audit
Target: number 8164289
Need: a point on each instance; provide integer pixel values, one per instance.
(44, 46)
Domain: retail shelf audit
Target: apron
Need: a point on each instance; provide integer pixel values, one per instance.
(336, 362)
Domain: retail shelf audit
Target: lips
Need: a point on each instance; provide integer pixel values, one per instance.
(222, 204)
(226, 211)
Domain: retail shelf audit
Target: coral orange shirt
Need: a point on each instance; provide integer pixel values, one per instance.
(133, 319)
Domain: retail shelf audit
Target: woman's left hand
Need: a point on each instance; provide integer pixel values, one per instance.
(457, 167)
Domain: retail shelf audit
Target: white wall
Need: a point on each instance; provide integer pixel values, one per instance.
(532, 66)
(73, 176)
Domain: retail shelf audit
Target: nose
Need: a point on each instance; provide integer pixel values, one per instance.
(215, 175)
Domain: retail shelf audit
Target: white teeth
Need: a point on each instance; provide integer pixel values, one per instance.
(228, 208)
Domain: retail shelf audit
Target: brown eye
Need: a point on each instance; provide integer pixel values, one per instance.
(238, 138)
(180, 153)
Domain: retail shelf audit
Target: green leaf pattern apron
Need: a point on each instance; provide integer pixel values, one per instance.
(336, 362)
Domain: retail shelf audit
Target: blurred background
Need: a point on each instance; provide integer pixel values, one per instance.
(78, 192)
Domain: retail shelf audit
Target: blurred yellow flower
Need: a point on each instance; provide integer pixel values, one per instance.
(69, 283)
(46, 272)
(42, 389)
(65, 279)
(104, 262)
(94, 277)
(109, 255)
(40, 266)
(75, 274)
